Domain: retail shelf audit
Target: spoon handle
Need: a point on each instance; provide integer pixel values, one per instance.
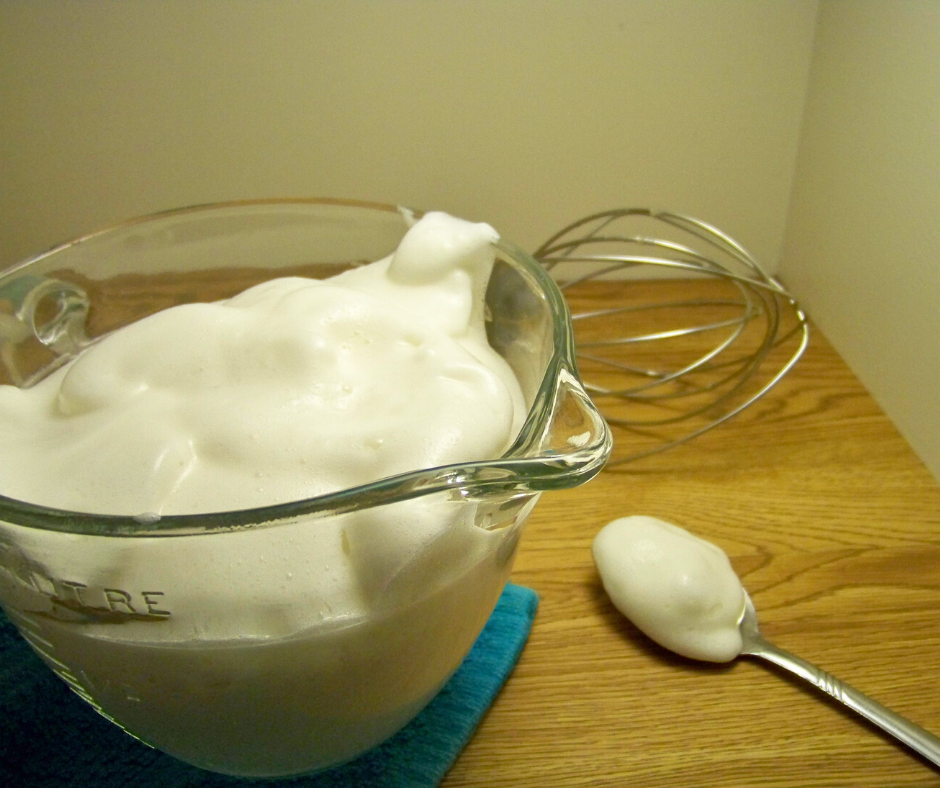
(902, 729)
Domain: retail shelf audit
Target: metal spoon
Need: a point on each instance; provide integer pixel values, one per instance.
(904, 730)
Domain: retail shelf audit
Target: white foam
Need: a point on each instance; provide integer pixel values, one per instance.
(276, 649)
(678, 589)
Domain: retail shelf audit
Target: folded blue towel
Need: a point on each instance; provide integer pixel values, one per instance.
(48, 737)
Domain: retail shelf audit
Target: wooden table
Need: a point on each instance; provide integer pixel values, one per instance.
(833, 525)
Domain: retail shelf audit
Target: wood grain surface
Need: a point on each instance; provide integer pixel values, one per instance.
(833, 525)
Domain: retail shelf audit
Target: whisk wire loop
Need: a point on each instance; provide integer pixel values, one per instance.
(668, 371)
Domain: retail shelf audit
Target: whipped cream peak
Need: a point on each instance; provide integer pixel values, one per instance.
(439, 244)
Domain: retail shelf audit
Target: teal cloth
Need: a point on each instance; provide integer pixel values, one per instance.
(49, 737)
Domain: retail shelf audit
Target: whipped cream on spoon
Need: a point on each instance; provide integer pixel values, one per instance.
(662, 578)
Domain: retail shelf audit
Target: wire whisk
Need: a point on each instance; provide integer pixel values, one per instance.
(666, 371)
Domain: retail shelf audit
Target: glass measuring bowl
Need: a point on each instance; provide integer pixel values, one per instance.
(288, 638)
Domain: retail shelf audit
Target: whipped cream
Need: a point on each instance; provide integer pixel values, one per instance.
(678, 589)
(270, 651)
(292, 389)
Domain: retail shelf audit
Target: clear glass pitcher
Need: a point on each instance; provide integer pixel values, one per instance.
(283, 639)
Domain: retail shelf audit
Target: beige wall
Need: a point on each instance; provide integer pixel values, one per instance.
(525, 114)
(863, 241)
